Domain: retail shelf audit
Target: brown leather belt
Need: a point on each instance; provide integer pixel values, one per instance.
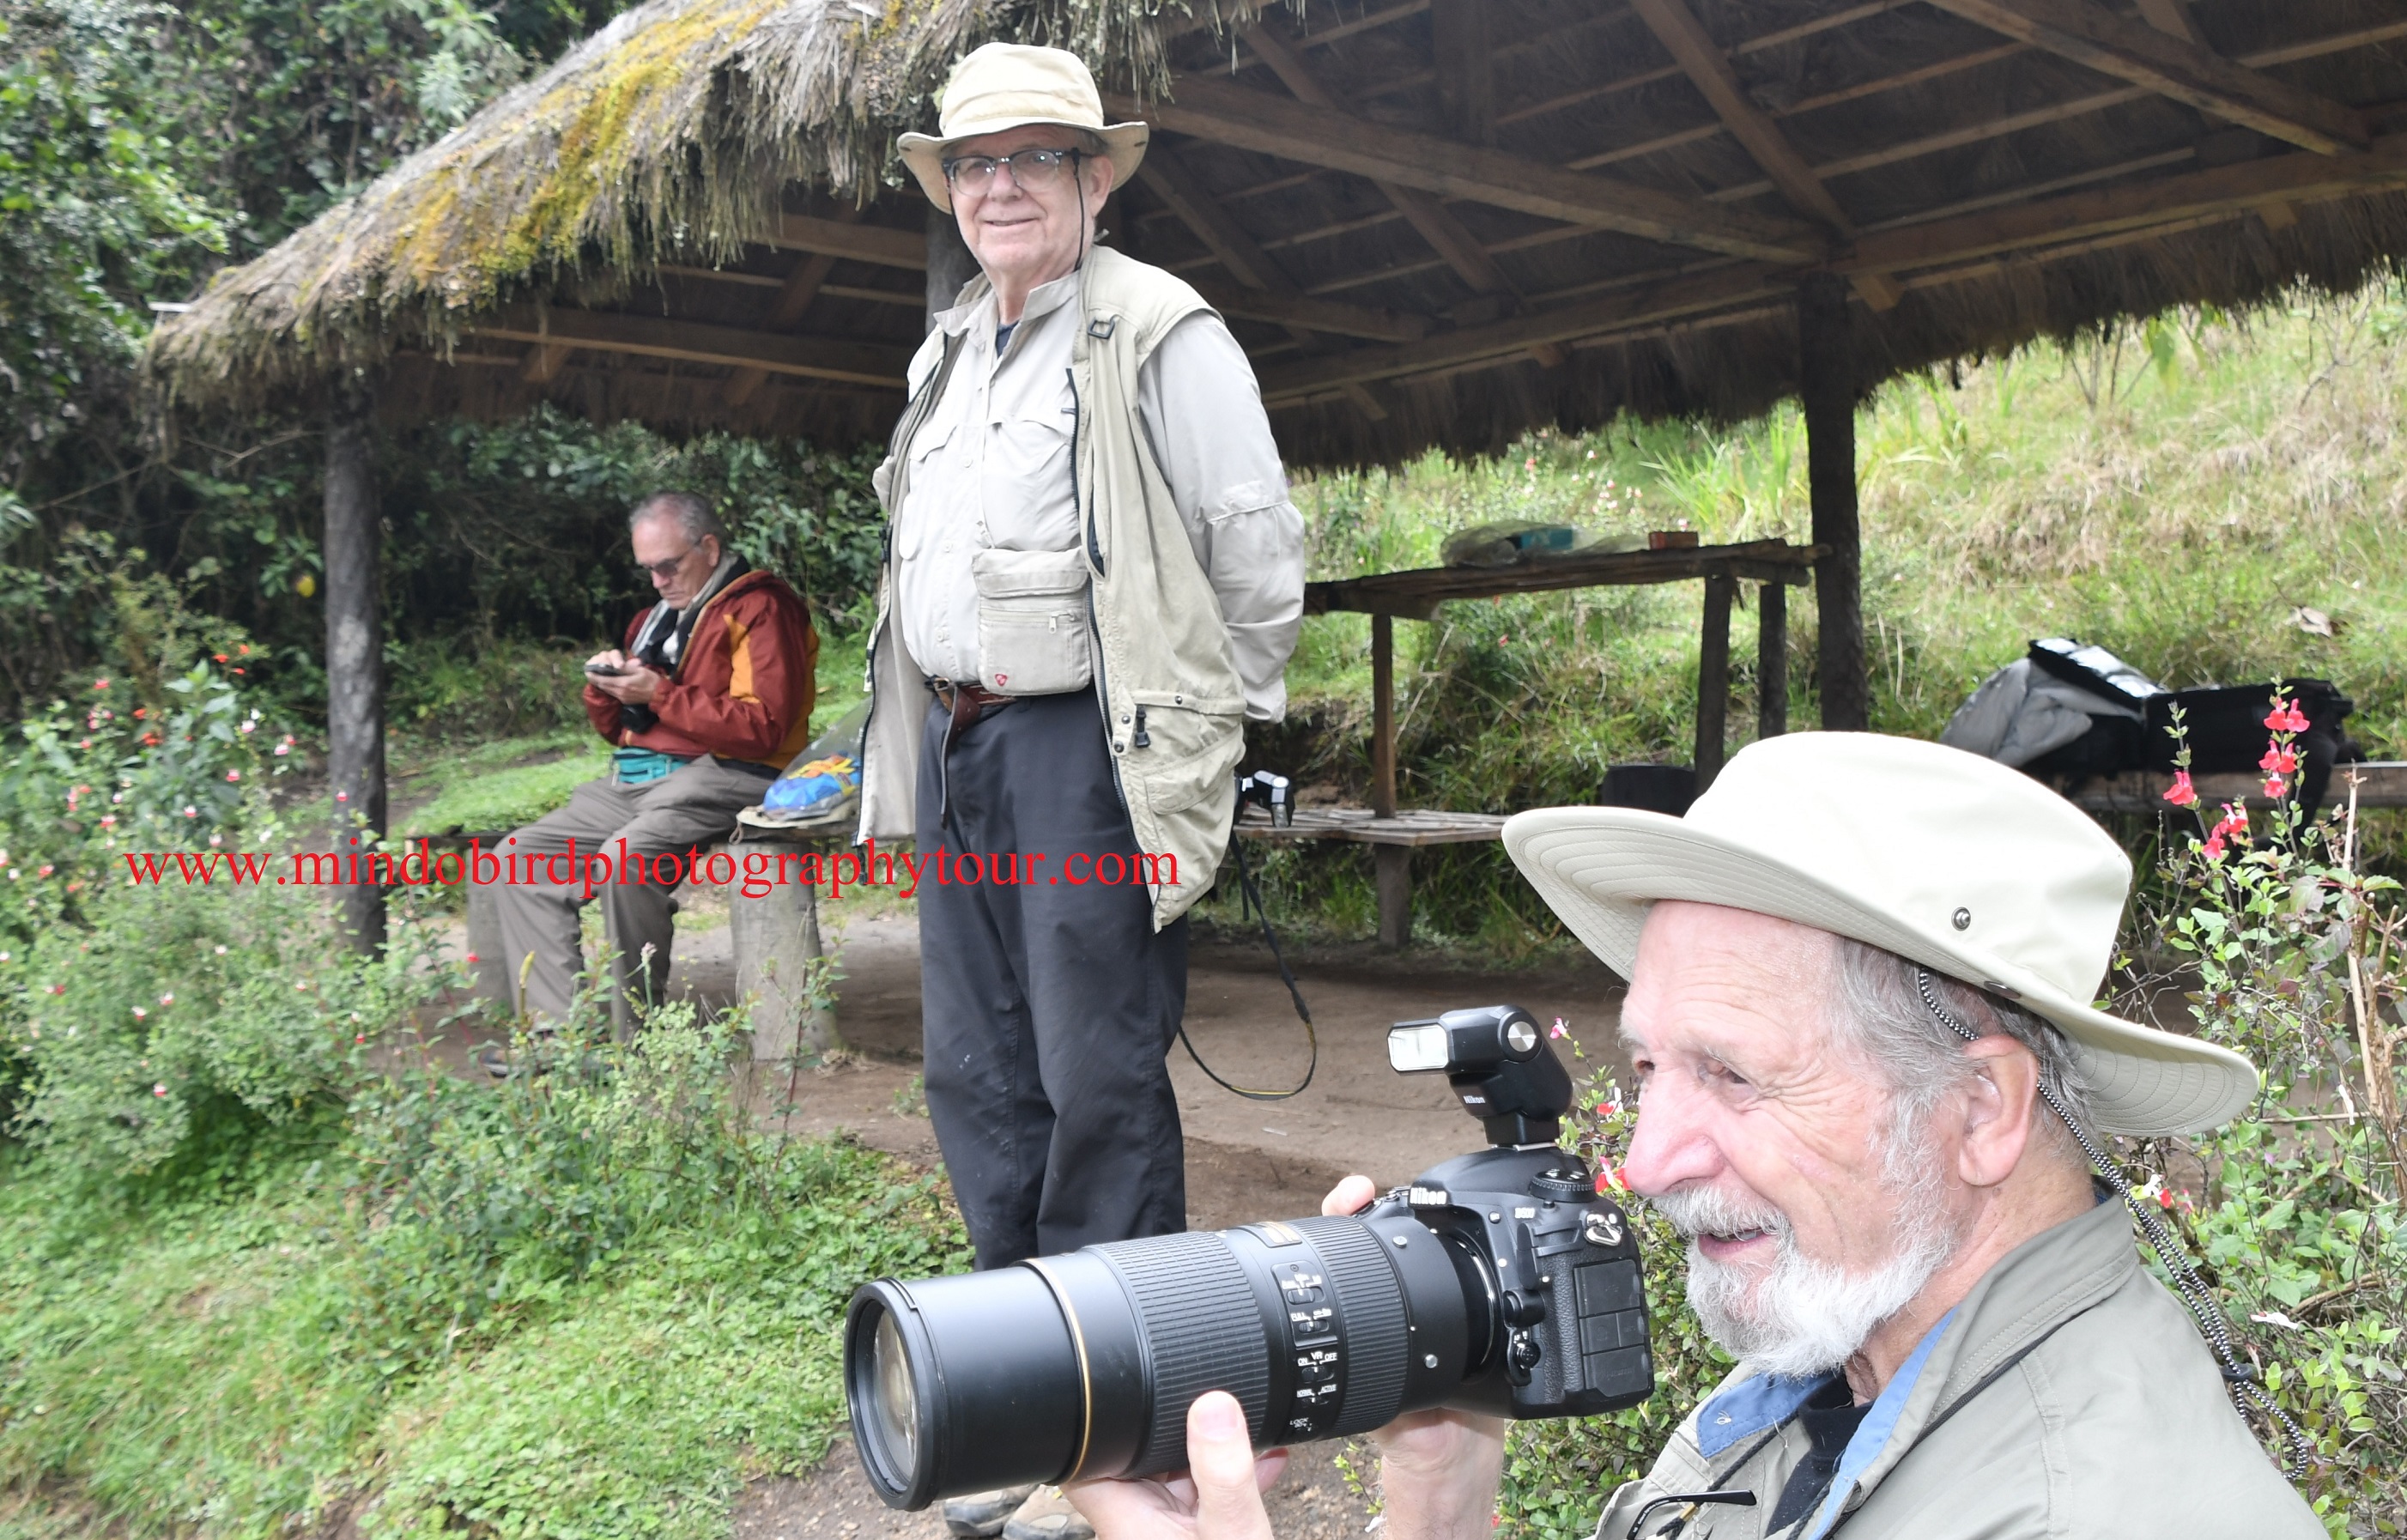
(965, 703)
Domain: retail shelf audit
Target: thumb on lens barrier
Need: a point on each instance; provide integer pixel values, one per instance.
(1220, 1460)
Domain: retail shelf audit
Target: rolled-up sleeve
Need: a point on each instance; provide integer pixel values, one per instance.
(1203, 419)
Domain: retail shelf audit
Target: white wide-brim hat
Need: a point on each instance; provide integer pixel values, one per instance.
(1001, 86)
(1942, 857)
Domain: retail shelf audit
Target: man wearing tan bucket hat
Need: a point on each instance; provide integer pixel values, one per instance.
(1093, 580)
(1859, 1011)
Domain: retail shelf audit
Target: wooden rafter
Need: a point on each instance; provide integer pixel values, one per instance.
(1437, 225)
(881, 245)
(794, 297)
(2052, 230)
(1704, 63)
(1168, 179)
(1296, 131)
(544, 362)
(2090, 34)
(733, 347)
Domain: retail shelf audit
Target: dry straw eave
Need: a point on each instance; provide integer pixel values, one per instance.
(672, 135)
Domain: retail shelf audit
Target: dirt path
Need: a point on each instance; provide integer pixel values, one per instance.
(1244, 1160)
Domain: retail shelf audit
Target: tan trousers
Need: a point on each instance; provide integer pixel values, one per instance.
(673, 817)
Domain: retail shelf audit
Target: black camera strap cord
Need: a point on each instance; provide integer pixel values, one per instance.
(1250, 895)
(2245, 1383)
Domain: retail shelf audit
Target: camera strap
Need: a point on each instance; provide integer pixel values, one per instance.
(2246, 1382)
(1248, 896)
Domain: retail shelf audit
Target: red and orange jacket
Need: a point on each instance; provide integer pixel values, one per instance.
(745, 687)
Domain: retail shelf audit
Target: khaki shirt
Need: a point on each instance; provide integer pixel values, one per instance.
(991, 470)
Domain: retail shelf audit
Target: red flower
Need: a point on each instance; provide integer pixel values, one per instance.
(220, 656)
(2181, 793)
(1610, 1179)
(140, 712)
(2278, 761)
(2213, 848)
(149, 740)
(2285, 717)
(2275, 786)
(100, 684)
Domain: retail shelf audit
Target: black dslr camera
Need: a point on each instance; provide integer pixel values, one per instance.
(1497, 1282)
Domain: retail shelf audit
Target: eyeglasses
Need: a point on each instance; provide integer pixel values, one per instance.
(664, 571)
(1031, 169)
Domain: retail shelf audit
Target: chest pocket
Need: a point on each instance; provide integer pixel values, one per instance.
(1026, 488)
(1031, 621)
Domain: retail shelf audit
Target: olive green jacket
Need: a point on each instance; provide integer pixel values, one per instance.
(2069, 1394)
(1165, 671)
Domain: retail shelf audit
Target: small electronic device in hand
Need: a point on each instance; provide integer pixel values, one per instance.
(1499, 1282)
(606, 671)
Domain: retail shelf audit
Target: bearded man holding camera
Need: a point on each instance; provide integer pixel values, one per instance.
(1860, 973)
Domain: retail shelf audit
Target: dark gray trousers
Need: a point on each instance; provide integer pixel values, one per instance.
(1049, 1003)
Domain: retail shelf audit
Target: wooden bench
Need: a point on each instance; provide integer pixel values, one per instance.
(1393, 840)
(775, 938)
(2380, 784)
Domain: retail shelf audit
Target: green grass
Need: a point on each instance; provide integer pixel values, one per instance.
(264, 1357)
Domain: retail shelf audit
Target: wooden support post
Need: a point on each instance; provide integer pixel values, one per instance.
(950, 263)
(1392, 874)
(1771, 660)
(1383, 716)
(778, 951)
(1826, 374)
(354, 654)
(1713, 678)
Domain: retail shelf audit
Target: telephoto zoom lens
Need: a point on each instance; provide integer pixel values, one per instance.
(1085, 1365)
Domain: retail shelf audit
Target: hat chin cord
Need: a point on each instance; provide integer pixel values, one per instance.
(2245, 1381)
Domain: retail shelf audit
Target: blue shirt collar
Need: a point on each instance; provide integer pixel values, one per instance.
(1767, 1401)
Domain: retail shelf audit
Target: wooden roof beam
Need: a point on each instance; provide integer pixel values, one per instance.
(2057, 227)
(1168, 179)
(2250, 184)
(2090, 34)
(881, 245)
(1704, 63)
(732, 347)
(795, 296)
(1309, 136)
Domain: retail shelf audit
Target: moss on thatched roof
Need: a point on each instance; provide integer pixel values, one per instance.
(673, 134)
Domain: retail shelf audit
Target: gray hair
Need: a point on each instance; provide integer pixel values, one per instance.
(691, 512)
(1881, 1015)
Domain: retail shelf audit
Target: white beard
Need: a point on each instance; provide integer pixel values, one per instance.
(1805, 1316)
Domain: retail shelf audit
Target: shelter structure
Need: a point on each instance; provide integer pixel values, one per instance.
(1431, 223)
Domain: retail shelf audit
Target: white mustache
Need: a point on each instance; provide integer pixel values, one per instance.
(1695, 1211)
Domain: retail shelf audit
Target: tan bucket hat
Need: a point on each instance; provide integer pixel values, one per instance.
(1012, 85)
(1944, 857)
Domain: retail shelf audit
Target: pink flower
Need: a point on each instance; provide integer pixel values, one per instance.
(2213, 848)
(139, 1013)
(234, 775)
(1608, 1109)
(45, 871)
(2235, 819)
(167, 999)
(2278, 761)
(342, 796)
(2181, 793)
(1610, 1179)
(284, 748)
(108, 819)
(2275, 786)
(1560, 1029)
(472, 957)
(159, 1089)
(100, 684)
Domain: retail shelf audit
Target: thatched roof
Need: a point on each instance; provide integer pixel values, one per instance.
(1432, 221)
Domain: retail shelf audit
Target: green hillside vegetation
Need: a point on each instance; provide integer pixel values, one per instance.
(2174, 494)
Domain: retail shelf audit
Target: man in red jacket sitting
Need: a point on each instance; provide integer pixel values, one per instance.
(710, 698)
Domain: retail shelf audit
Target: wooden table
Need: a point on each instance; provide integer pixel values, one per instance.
(1774, 566)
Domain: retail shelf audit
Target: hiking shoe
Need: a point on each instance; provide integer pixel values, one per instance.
(983, 1514)
(1048, 1516)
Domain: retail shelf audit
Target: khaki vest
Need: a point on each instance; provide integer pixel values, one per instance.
(1172, 704)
